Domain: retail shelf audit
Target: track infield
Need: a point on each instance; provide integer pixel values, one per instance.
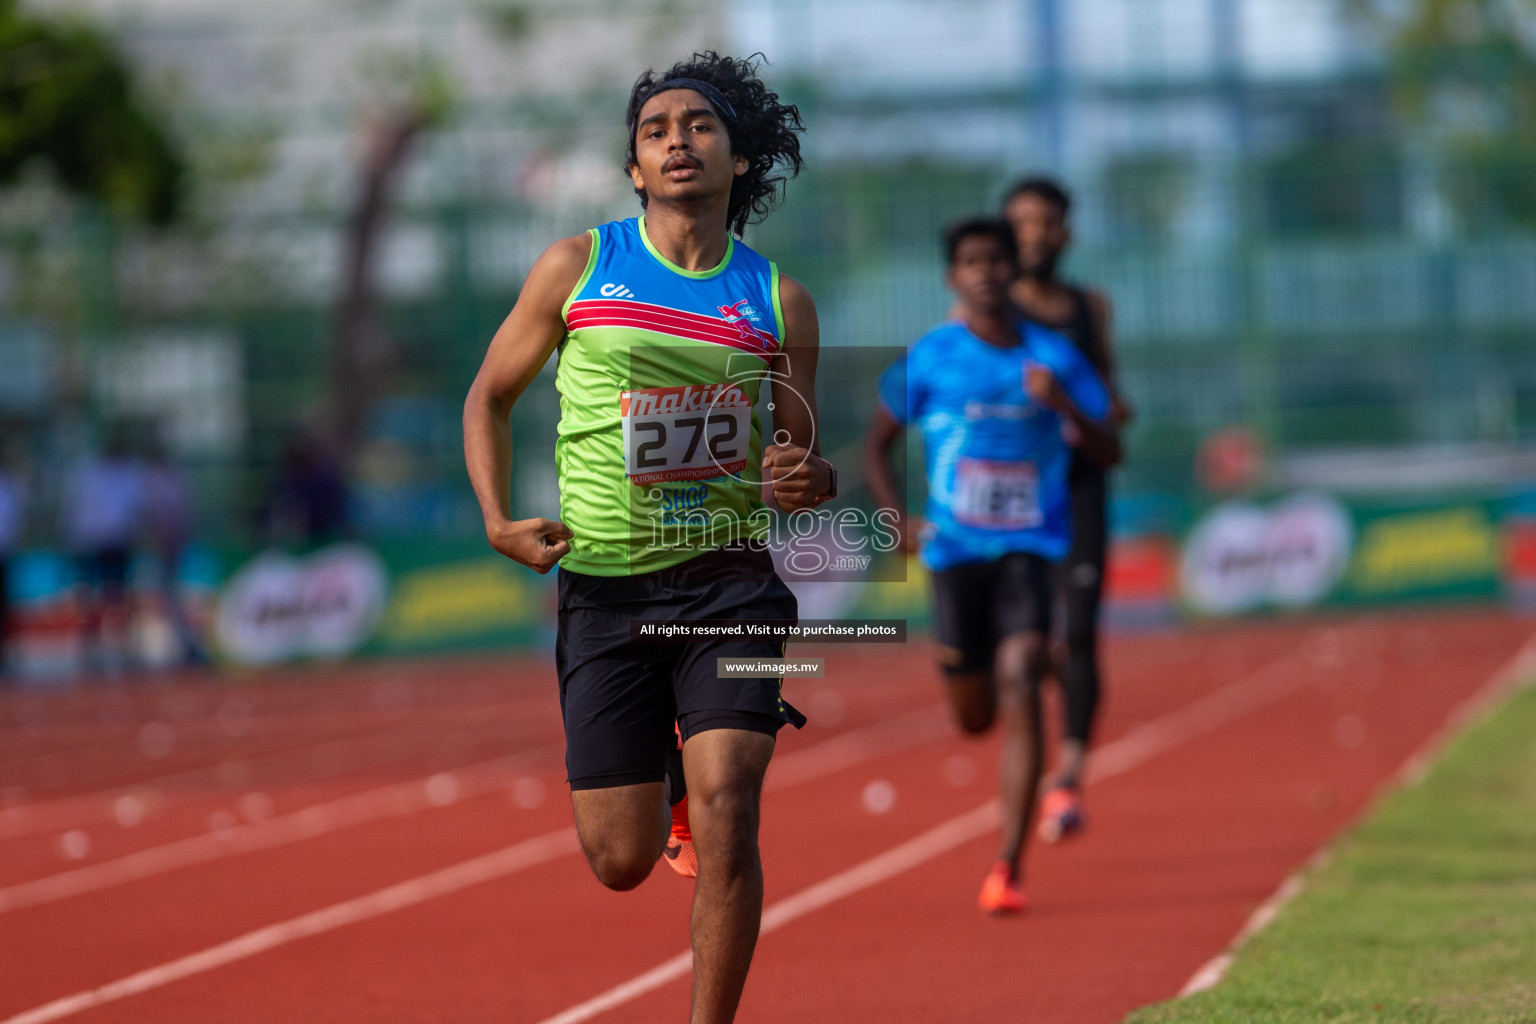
(1425, 913)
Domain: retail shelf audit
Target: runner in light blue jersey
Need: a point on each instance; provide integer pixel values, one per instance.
(1001, 404)
(995, 458)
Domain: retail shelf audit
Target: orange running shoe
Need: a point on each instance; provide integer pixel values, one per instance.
(1001, 893)
(1061, 814)
(679, 849)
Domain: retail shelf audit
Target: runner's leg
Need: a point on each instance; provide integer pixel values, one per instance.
(622, 831)
(1082, 587)
(1021, 606)
(1019, 667)
(725, 769)
(973, 699)
(963, 628)
(619, 712)
(728, 725)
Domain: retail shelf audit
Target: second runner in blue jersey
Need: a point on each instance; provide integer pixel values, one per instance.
(998, 401)
(995, 459)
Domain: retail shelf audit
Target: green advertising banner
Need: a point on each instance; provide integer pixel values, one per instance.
(1308, 550)
(394, 597)
(1418, 552)
(453, 597)
(1316, 550)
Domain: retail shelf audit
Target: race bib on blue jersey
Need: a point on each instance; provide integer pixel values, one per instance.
(992, 495)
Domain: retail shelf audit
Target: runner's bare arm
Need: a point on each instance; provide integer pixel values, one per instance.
(521, 347)
(799, 480)
(1098, 439)
(879, 439)
(1099, 311)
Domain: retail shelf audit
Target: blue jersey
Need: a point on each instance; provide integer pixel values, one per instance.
(995, 460)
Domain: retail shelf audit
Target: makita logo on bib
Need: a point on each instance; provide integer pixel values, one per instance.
(615, 291)
(688, 398)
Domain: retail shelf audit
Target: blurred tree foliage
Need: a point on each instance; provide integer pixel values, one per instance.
(1464, 73)
(67, 98)
(1146, 193)
(1331, 187)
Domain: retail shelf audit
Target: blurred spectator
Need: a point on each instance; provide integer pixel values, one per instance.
(101, 512)
(12, 516)
(309, 499)
(167, 496)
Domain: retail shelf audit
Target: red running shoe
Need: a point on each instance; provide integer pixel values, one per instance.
(1001, 893)
(1061, 814)
(679, 849)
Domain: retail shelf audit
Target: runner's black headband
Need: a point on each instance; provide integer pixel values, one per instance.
(715, 96)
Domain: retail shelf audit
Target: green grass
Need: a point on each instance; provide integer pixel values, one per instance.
(1426, 913)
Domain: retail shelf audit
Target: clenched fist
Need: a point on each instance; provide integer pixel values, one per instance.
(799, 478)
(536, 543)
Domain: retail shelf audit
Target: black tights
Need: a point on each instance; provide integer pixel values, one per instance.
(1080, 582)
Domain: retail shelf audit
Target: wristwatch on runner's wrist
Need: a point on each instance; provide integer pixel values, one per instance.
(832, 485)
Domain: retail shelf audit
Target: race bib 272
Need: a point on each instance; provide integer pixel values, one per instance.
(692, 432)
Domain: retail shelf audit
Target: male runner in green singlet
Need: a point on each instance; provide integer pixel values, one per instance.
(666, 326)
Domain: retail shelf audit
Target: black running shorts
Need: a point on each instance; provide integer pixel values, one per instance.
(977, 604)
(620, 700)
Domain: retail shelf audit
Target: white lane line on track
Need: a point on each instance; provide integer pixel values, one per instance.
(1263, 686)
(396, 800)
(1213, 970)
(90, 730)
(952, 833)
(927, 724)
(893, 735)
(205, 727)
(1516, 674)
(396, 897)
(407, 798)
(1143, 743)
(339, 755)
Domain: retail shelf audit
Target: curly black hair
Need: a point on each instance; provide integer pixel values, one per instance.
(764, 130)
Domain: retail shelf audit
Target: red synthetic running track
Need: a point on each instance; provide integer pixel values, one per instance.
(392, 842)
